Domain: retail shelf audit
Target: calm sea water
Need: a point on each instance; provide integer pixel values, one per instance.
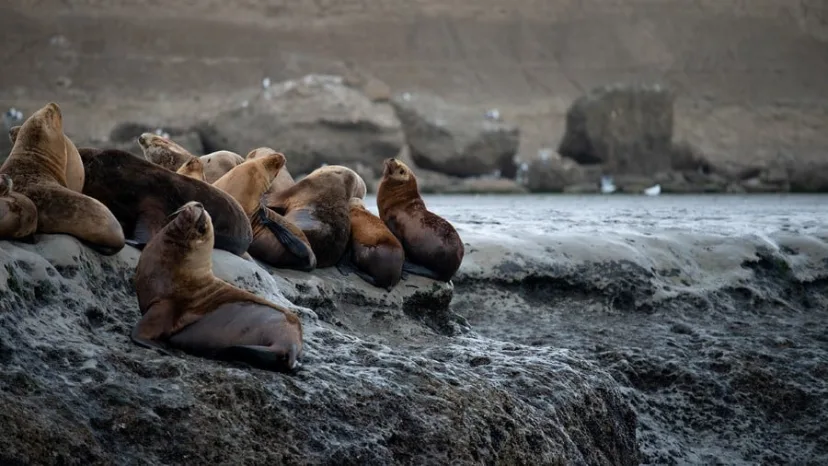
(713, 214)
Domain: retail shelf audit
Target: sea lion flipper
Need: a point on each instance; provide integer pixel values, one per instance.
(149, 344)
(262, 357)
(279, 226)
(416, 269)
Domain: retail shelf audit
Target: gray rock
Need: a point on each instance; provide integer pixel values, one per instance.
(313, 120)
(627, 128)
(550, 173)
(719, 341)
(455, 140)
(388, 378)
(809, 176)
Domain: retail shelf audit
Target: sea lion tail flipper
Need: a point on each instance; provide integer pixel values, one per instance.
(149, 344)
(416, 269)
(279, 226)
(262, 357)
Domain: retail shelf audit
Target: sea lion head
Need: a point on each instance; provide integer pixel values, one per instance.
(191, 226)
(396, 171)
(271, 160)
(162, 151)
(193, 168)
(43, 129)
(5, 184)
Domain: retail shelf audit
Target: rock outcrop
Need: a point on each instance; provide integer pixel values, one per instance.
(627, 128)
(719, 341)
(551, 173)
(455, 140)
(313, 120)
(388, 378)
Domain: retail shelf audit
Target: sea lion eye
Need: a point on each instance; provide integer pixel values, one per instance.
(401, 171)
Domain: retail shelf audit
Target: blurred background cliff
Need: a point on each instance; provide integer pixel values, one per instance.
(481, 96)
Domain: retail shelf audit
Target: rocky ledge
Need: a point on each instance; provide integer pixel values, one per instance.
(387, 377)
(720, 342)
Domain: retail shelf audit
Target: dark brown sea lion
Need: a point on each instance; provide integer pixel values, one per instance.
(38, 165)
(142, 195)
(375, 253)
(432, 246)
(276, 241)
(18, 214)
(185, 306)
(318, 205)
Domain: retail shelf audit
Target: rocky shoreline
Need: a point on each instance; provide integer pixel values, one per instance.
(553, 349)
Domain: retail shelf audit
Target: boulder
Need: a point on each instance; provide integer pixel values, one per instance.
(313, 120)
(808, 176)
(456, 140)
(551, 173)
(387, 377)
(626, 128)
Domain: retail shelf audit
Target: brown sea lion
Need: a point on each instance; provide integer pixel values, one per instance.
(183, 305)
(37, 166)
(142, 194)
(375, 253)
(276, 241)
(193, 168)
(432, 246)
(18, 214)
(282, 181)
(318, 205)
(74, 166)
(166, 153)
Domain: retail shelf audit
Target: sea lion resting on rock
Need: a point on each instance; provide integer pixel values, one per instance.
(432, 246)
(318, 205)
(282, 181)
(193, 168)
(185, 306)
(276, 241)
(166, 153)
(18, 214)
(38, 168)
(142, 195)
(74, 166)
(374, 251)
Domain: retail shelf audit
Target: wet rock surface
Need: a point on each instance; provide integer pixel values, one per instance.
(387, 378)
(718, 341)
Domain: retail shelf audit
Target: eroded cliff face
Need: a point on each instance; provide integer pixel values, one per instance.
(749, 76)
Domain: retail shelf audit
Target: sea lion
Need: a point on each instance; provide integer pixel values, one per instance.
(18, 214)
(276, 241)
(37, 165)
(142, 195)
(74, 166)
(318, 205)
(282, 181)
(185, 306)
(166, 153)
(432, 246)
(193, 168)
(375, 253)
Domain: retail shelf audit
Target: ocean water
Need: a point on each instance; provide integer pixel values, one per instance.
(728, 215)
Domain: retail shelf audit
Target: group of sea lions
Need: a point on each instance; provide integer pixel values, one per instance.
(177, 207)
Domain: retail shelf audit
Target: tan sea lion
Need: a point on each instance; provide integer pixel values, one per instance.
(74, 166)
(18, 214)
(318, 205)
(375, 253)
(193, 168)
(183, 305)
(166, 153)
(276, 241)
(142, 194)
(37, 165)
(432, 246)
(282, 181)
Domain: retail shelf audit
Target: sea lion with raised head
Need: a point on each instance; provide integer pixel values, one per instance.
(282, 181)
(166, 153)
(184, 306)
(74, 166)
(18, 214)
(318, 205)
(193, 168)
(142, 194)
(38, 166)
(432, 246)
(276, 241)
(375, 254)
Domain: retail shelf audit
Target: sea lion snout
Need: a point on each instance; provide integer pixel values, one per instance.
(144, 140)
